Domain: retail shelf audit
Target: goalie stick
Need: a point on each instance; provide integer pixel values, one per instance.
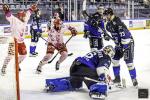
(122, 85)
(111, 89)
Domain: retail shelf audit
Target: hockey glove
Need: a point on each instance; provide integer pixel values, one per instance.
(107, 38)
(39, 34)
(6, 8)
(86, 34)
(73, 31)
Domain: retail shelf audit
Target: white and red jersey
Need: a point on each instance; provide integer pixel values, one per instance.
(17, 26)
(56, 37)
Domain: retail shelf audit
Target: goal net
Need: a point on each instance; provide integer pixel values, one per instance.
(9, 82)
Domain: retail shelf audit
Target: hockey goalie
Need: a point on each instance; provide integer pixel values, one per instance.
(92, 69)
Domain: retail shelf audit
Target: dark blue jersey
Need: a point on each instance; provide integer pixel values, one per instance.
(36, 24)
(119, 32)
(94, 31)
(93, 24)
(95, 59)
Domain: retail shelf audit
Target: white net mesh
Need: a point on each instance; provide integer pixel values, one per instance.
(8, 87)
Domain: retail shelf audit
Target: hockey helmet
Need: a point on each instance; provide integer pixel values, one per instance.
(100, 9)
(57, 21)
(38, 13)
(109, 50)
(108, 11)
(21, 14)
(56, 15)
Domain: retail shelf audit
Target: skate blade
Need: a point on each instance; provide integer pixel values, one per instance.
(99, 97)
(37, 72)
(33, 55)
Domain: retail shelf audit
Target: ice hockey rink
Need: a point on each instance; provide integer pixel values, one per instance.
(32, 85)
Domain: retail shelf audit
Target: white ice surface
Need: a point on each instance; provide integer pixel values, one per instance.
(32, 85)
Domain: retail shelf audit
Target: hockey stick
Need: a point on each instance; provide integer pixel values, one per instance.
(105, 33)
(122, 85)
(58, 52)
(70, 54)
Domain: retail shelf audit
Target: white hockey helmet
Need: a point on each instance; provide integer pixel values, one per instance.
(109, 50)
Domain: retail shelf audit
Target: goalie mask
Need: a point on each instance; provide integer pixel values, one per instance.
(109, 50)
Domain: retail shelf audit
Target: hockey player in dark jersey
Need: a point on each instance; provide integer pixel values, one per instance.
(124, 45)
(93, 28)
(36, 31)
(93, 66)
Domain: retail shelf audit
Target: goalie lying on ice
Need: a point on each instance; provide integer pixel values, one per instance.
(93, 66)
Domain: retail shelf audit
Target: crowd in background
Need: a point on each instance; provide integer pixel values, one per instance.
(49, 7)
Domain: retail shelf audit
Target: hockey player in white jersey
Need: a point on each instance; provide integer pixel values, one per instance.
(55, 41)
(18, 26)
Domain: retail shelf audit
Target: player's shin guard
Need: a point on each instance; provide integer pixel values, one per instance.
(58, 84)
(116, 70)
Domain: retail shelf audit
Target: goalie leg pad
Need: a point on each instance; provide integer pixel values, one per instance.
(99, 88)
(58, 84)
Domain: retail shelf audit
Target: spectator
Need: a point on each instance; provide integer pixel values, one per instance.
(60, 11)
(73, 17)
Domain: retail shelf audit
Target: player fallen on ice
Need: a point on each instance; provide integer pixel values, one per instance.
(18, 27)
(36, 32)
(55, 41)
(124, 45)
(93, 66)
(94, 27)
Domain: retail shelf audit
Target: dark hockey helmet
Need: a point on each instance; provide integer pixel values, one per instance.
(109, 50)
(38, 13)
(94, 19)
(108, 11)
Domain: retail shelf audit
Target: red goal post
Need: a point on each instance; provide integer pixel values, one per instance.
(9, 83)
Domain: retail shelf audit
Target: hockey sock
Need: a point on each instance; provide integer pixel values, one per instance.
(116, 70)
(32, 49)
(62, 57)
(21, 58)
(132, 73)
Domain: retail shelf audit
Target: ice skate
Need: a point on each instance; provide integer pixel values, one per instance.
(98, 95)
(135, 83)
(3, 71)
(117, 79)
(34, 54)
(57, 65)
(38, 70)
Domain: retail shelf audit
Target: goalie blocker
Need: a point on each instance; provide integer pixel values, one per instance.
(93, 65)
